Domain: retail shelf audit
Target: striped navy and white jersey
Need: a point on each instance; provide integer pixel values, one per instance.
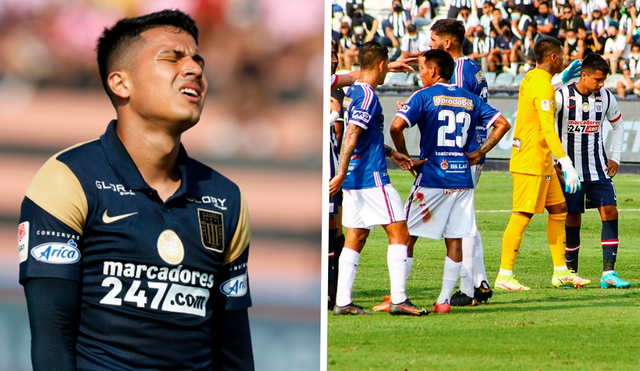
(579, 121)
(461, 3)
(398, 22)
(483, 46)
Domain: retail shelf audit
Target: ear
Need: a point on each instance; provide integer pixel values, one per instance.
(119, 84)
(381, 65)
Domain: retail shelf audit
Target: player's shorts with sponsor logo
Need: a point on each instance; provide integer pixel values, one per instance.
(598, 193)
(436, 213)
(532, 193)
(366, 208)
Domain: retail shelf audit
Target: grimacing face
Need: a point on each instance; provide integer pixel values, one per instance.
(167, 80)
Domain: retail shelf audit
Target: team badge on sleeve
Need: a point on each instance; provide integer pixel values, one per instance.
(544, 104)
(211, 229)
(23, 241)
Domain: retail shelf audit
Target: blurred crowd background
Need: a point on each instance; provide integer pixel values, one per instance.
(261, 127)
(500, 34)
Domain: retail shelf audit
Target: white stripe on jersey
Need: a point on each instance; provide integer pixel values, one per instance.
(579, 124)
(368, 95)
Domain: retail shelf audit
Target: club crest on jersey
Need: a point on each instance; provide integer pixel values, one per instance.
(57, 252)
(585, 107)
(170, 247)
(211, 229)
(598, 106)
(444, 164)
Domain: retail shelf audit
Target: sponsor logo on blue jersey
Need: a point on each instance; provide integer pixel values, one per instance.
(237, 286)
(361, 116)
(57, 252)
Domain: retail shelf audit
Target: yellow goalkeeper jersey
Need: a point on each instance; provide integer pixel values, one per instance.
(534, 137)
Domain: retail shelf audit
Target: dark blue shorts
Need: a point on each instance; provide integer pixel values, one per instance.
(335, 203)
(598, 193)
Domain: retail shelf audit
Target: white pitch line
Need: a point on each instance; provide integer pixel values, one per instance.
(508, 211)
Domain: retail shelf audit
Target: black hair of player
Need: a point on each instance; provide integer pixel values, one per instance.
(593, 62)
(442, 60)
(114, 42)
(546, 46)
(372, 53)
(450, 27)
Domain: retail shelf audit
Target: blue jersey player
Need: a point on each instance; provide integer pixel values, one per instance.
(448, 35)
(133, 256)
(445, 115)
(368, 197)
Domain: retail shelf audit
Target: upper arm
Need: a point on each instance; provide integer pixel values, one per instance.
(56, 205)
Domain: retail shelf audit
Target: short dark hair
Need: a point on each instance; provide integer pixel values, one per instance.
(411, 28)
(115, 41)
(450, 27)
(442, 60)
(635, 45)
(504, 23)
(545, 3)
(372, 53)
(593, 62)
(544, 47)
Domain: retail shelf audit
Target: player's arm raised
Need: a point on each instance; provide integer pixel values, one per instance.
(348, 146)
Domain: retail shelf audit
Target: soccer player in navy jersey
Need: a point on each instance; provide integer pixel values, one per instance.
(446, 116)
(448, 35)
(133, 255)
(583, 106)
(369, 199)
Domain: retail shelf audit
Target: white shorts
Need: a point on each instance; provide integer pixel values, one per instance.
(436, 213)
(366, 208)
(476, 171)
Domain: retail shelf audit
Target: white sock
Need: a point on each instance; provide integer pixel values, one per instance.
(505, 272)
(479, 270)
(560, 268)
(449, 279)
(466, 273)
(409, 264)
(347, 268)
(396, 261)
(604, 273)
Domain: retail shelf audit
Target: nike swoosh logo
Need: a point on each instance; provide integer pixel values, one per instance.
(570, 107)
(110, 219)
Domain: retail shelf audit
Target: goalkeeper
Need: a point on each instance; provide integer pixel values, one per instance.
(534, 185)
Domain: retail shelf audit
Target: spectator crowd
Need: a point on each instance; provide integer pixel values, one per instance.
(500, 34)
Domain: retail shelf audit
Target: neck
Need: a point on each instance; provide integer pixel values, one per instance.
(456, 53)
(154, 151)
(547, 67)
(370, 77)
(441, 80)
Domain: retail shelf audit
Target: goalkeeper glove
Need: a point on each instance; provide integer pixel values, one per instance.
(571, 179)
(571, 72)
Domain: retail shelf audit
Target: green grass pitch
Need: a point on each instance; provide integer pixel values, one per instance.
(541, 329)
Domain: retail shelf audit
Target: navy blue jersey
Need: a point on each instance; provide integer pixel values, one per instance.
(151, 272)
(446, 117)
(469, 76)
(367, 167)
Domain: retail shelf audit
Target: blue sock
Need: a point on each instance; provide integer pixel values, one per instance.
(609, 244)
(572, 247)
